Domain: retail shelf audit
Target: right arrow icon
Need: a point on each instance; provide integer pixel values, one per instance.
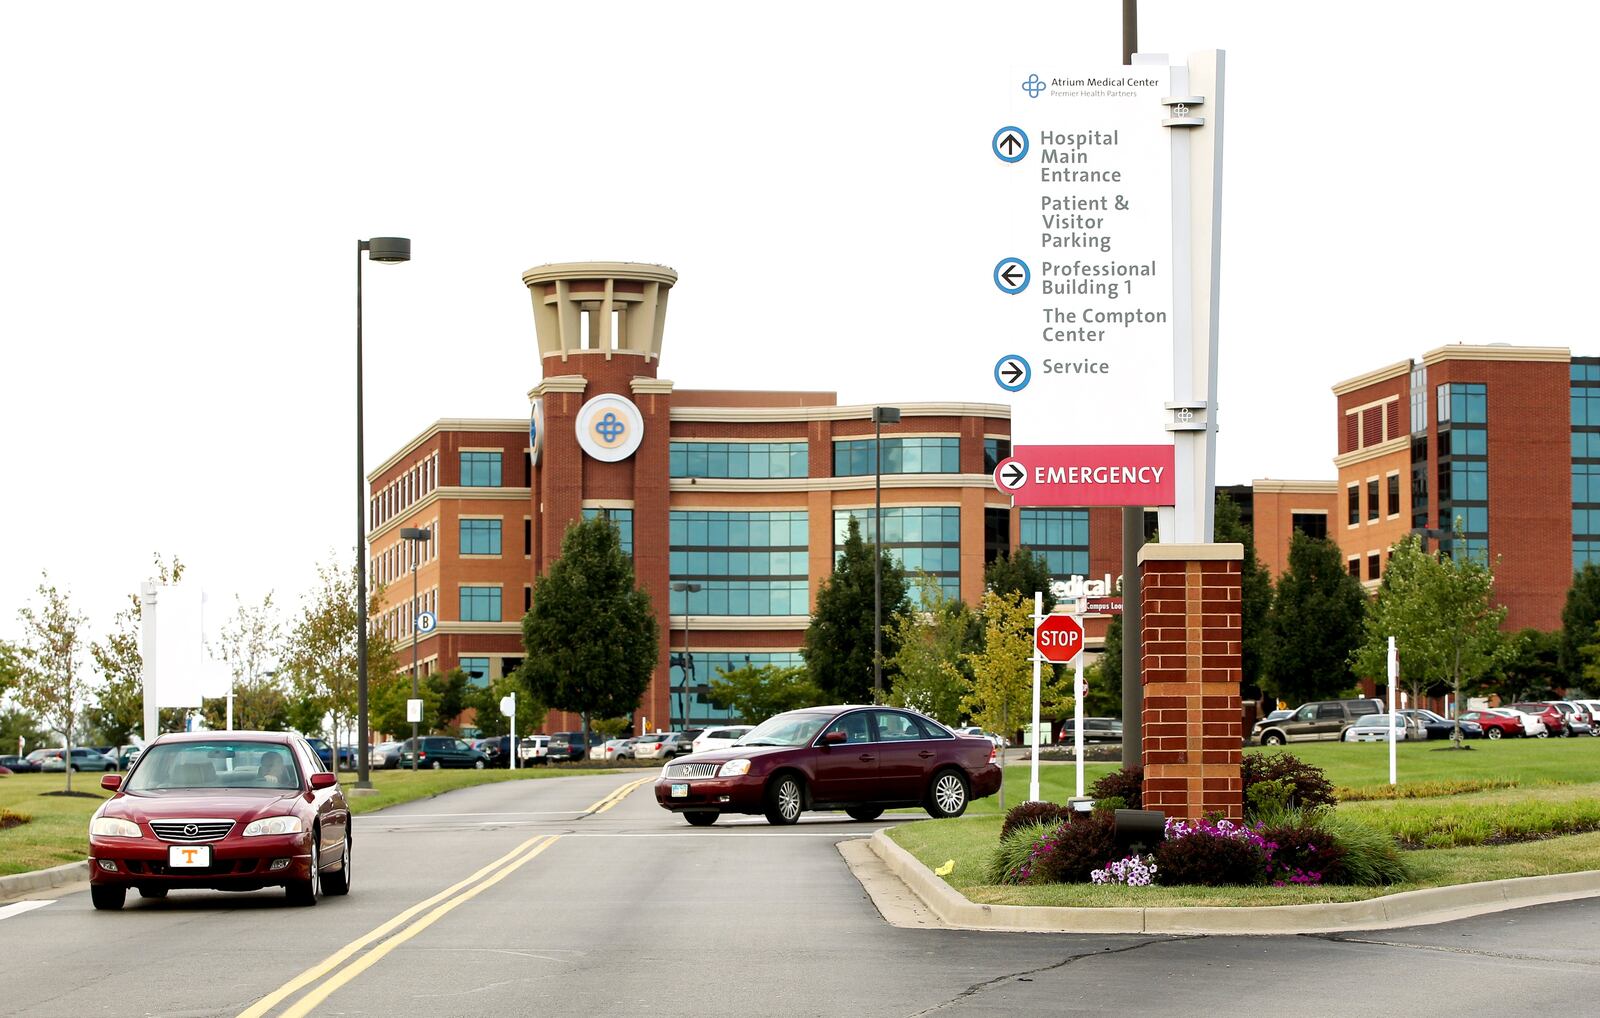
(1010, 475)
(1012, 372)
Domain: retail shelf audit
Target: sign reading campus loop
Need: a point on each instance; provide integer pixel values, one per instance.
(610, 428)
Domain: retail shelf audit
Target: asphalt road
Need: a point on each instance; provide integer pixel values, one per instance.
(532, 904)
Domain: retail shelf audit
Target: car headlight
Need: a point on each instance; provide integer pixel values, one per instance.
(733, 768)
(114, 827)
(274, 825)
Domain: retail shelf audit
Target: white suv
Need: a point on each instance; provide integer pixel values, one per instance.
(535, 749)
(719, 738)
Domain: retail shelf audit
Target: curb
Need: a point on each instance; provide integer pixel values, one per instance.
(19, 884)
(1409, 908)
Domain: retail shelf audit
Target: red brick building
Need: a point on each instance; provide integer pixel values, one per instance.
(739, 499)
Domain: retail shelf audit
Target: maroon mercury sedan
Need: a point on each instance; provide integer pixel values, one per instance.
(233, 811)
(862, 760)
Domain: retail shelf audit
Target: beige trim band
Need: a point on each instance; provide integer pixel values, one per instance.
(1373, 377)
(460, 494)
(1270, 486)
(1191, 553)
(1357, 456)
(1463, 352)
(447, 424)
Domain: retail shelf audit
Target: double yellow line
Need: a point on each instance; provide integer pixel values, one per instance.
(441, 903)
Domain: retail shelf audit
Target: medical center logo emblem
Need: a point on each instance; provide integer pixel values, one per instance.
(610, 428)
(1033, 86)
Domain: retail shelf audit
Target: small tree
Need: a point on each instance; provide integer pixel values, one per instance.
(1579, 620)
(1023, 572)
(1315, 622)
(591, 637)
(931, 674)
(756, 694)
(50, 679)
(838, 644)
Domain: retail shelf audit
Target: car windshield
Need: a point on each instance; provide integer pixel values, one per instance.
(786, 730)
(222, 763)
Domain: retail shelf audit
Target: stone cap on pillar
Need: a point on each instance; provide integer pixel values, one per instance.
(1191, 553)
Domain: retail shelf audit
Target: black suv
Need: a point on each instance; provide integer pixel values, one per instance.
(568, 746)
(1324, 720)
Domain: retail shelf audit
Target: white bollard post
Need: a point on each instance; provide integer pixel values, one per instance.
(1077, 718)
(1394, 717)
(1038, 617)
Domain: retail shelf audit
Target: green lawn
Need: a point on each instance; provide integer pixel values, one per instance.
(1528, 762)
(58, 832)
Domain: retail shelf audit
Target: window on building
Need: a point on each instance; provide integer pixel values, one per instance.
(1394, 494)
(1355, 566)
(480, 604)
(480, 470)
(745, 563)
(995, 450)
(622, 519)
(1060, 535)
(921, 538)
(527, 537)
(738, 459)
(996, 533)
(855, 458)
(1373, 565)
(527, 599)
(1372, 499)
(477, 669)
(1469, 481)
(1314, 525)
(691, 687)
(1353, 498)
(480, 537)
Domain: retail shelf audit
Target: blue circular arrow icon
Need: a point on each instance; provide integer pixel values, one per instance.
(1012, 275)
(1012, 372)
(1010, 144)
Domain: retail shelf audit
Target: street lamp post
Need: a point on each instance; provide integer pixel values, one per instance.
(386, 250)
(687, 662)
(416, 535)
(881, 415)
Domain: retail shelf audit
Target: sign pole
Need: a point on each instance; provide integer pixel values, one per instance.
(1394, 675)
(149, 594)
(1077, 719)
(1038, 617)
(512, 748)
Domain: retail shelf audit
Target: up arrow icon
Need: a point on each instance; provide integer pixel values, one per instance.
(1010, 144)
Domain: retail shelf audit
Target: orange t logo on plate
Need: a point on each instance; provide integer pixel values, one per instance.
(188, 855)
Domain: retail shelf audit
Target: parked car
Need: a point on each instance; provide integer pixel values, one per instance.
(535, 749)
(662, 746)
(979, 733)
(1375, 728)
(1555, 722)
(234, 811)
(440, 751)
(82, 760)
(126, 755)
(606, 750)
(1438, 727)
(719, 738)
(1531, 724)
(1497, 724)
(862, 760)
(1593, 707)
(566, 747)
(1579, 720)
(1321, 720)
(19, 765)
(384, 756)
(625, 751)
(497, 749)
(347, 754)
(1094, 730)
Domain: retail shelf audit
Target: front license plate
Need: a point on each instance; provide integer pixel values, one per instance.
(680, 791)
(188, 856)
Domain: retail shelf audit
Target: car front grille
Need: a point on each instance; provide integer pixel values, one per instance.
(191, 831)
(692, 770)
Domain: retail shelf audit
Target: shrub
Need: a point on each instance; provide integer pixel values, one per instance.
(1077, 848)
(1126, 784)
(1371, 857)
(1110, 805)
(11, 818)
(1210, 860)
(1033, 813)
(1311, 788)
(1268, 800)
(1010, 862)
(1302, 853)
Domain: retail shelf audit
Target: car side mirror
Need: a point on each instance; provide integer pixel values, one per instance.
(111, 781)
(322, 779)
(835, 738)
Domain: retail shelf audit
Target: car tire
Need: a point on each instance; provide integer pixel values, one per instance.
(154, 892)
(306, 892)
(477, 764)
(1565, 731)
(1272, 739)
(1544, 734)
(437, 765)
(864, 813)
(108, 897)
(948, 793)
(700, 819)
(1492, 733)
(339, 882)
(785, 800)
(76, 768)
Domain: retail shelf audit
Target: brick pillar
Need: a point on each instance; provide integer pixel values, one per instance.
(1191, 721)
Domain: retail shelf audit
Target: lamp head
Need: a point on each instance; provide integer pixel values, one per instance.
(886, 414)
(414, 533)
(389, 249)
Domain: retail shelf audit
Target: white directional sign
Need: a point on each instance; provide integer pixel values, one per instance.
(1081, 249)
(427, 622)
(1010, 475)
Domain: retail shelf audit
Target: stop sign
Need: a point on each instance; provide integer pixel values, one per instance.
(1058, 638)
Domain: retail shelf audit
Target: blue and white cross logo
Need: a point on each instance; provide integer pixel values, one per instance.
(1033, 86)
(609, 428)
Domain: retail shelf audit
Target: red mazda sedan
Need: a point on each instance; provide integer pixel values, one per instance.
(233, 811)
(862, 760)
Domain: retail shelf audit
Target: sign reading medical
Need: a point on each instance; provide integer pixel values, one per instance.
(1043, 475)
(1058, 638)
(1081, 284)
(610, 428)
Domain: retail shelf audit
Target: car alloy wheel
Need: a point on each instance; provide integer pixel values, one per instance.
(948, 797)
(1272, 739)
(478, 764)
(437, 765)
(784, 801)
(1492, 733)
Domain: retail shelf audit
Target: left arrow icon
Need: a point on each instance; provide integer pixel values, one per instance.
(1011, 275)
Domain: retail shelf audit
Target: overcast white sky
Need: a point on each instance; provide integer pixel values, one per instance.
(183, 186)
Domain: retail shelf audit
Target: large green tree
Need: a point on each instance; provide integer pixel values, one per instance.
(591, 637)
(756, 694)
(1255, 597)
(1579, 618)
(1024, 572)
(931, 673)
(838, 644)
(1441, 613)
(1315, 624)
